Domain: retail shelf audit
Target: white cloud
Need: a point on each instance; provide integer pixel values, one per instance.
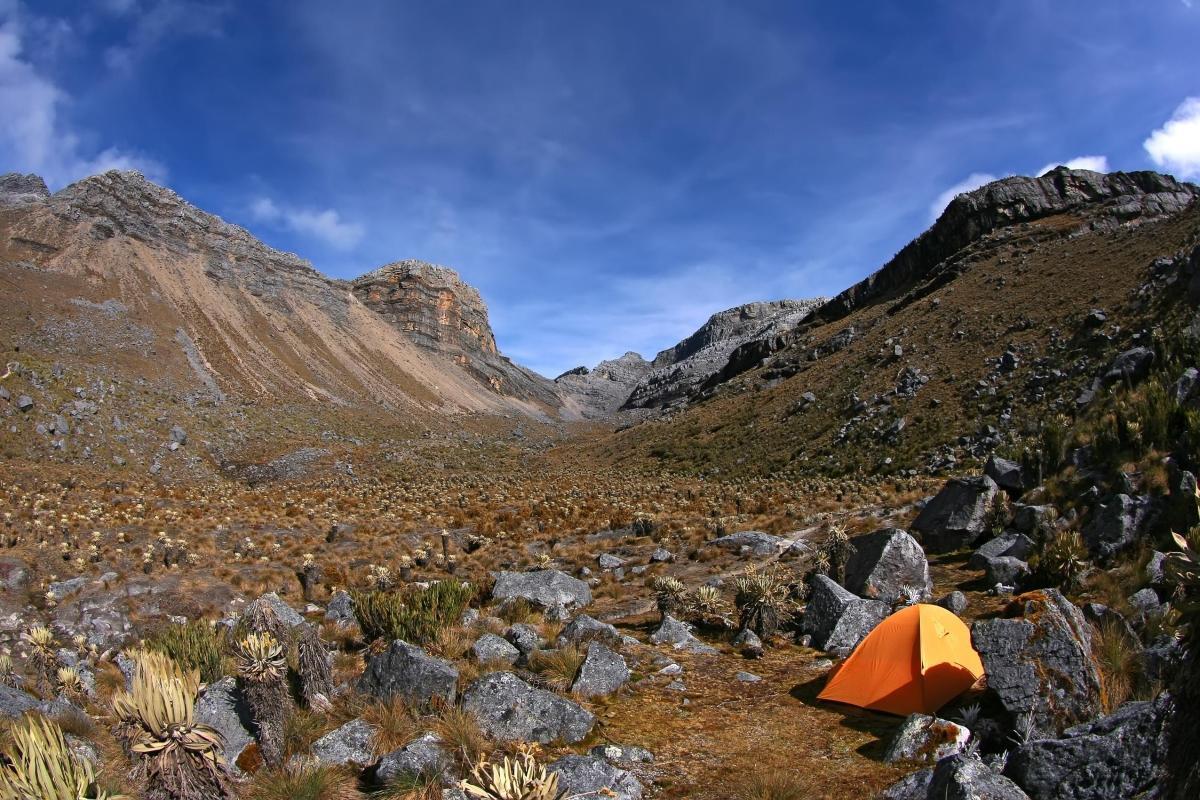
(969, 183)
(326, 225)
(1175, 146)
(33, 136)
(1093, 163)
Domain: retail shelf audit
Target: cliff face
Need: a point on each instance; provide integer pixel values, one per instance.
(600, 392)
(435, 309)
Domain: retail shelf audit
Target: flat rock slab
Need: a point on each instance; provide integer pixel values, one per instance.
(756, 543)
(547, 588)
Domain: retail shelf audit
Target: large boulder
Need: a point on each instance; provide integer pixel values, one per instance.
(838, 620)
(423, 757)
(592, 776)
(1008, 475)
(750, 542)
(1039, 664)
(1117, 523)
(957, 516)
(1131, 366)
(222, 707)
(911, 787)
(510, 709)
(546, 588)
(602, 672)
(1013, 545)
(585, 629)
(926, 738)
(352, 743)
(406, 670)
(964, 777)
(888, 565)
(1115, 756)
(1005, 571)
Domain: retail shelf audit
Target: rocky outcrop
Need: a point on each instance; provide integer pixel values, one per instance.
(432, 306)
(889, 565)
(677, 372)
(1039, 664)
(1115, 756)
(957, 516)
(19, 190)
(509, 709)
(838, 620)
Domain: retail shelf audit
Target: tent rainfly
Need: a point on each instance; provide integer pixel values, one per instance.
(916, 660)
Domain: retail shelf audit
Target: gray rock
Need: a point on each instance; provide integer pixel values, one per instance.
(756, 543)
(1131, 367)
(1145, 602)
(747, 677)
(411, 673)
(662, 556)
(679, 635)
(1015, 545)
(222, 707)
(888, 565)
(1032, 519)
(1006, 570)
(64, 589)
(962, 777)
(1154, 569)
(545, 588)
(593, 776)
(1007, 474)
(490, 648)
(21, 190)
(926, 738)
(602, 672)
(15, 702)
(24, 402)
(585, 629)
(179, 436)
(61, 426)
(352, 743)
(622, 755)
(748, 644)
(1186, 385)
(838, 620)
(421, 758)
(608, 561)
(957, 517)
(287, 615)
(910, 787)
(523, 637)
(14, 575)
(1040, 665)
(510, 709)
(955, 603)
(1117, 525)
(1182, 511)
(340, 610)
(1115, 756)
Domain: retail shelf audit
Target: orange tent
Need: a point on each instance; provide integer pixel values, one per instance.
(918, 659)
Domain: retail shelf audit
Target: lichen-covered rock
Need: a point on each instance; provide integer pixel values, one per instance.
(1013, 545)
(1039, 664)
(585, 629)
(910, 787)
(490, 648)
(602, 672)
(545, 588)
(838, 620)
(1005, 570)
(926, 738)
(963, 777)
(1117, 524)
(423, 757)
(408, 671)
(1116, 756)
(352, 743)
(678, 634)
(590, 776)
(955, 602)
(510, 709)
(888, 565)
(340, 610)
(957, 516)
(222, 707)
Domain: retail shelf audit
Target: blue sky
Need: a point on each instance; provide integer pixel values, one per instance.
(608, 174)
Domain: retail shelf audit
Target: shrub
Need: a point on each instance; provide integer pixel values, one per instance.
(763, 601)
(519, 778)
(197, 645)
(414, 615)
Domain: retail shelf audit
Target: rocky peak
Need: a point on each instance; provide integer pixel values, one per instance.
(432, 305)
(601, 391)
(19, 190)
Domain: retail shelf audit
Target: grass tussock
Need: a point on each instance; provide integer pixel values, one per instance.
(557, 669)
(770, 786)
(320, 782)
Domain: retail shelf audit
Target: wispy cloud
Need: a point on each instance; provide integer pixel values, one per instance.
(156, 23)
(325, 225)
(33, 134)
(1175, 146)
